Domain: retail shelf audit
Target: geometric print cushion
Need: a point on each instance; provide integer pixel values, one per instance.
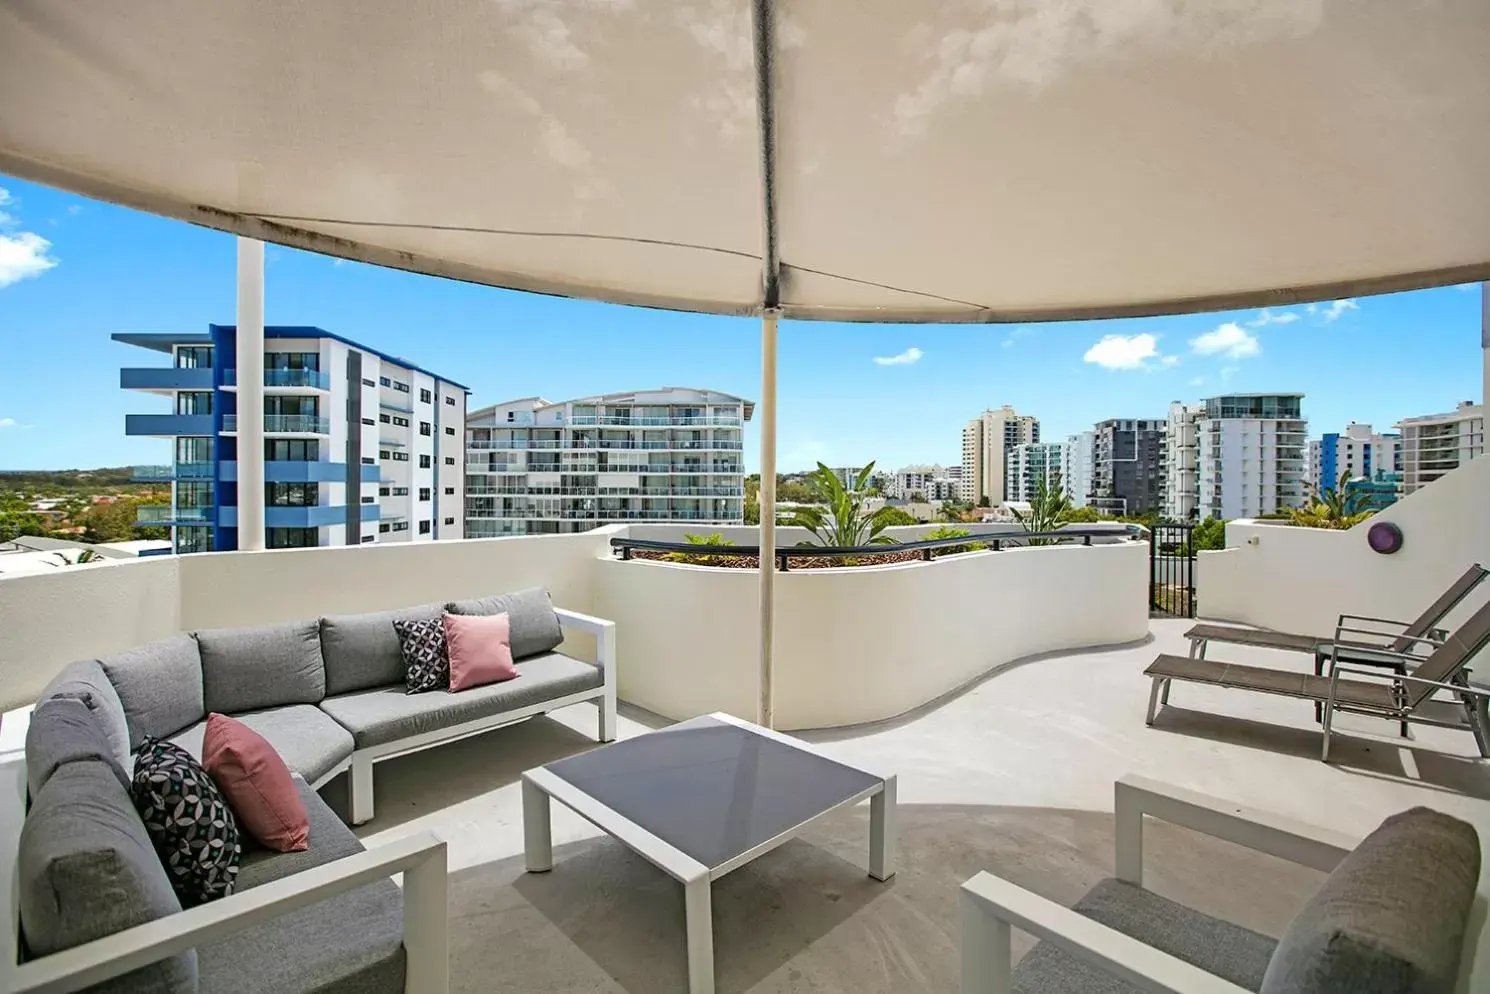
(188, 820)
(426, 659)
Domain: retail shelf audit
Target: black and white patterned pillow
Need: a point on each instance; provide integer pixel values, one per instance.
(188, 820)
(426, 658)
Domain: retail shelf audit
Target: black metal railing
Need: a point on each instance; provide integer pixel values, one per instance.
(926, 547)
(1172, 570)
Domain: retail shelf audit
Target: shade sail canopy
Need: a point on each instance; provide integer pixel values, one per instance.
(983, 160)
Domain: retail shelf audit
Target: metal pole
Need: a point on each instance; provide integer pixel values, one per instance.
(767, 501)
(250, 362)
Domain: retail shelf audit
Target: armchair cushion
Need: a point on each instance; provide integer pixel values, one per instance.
(87, 681)
(159, 686)
(362, 650)
(64, 730)
(244, 669)
(534, 623)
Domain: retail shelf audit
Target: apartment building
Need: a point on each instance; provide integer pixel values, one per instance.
(931, 481)
(1180, 499)
(986, 441)
(1076, 466)
(1356, 451)
(538, 467)
(1127, 466)
(1030, 463)
(359, 447)
(1433, 444)
(1252, 455)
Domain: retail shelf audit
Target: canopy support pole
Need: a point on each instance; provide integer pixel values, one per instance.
(767, 502)
(250, 363)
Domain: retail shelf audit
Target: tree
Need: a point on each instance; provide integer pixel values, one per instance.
(1334, 508)
(842, 520)
(984, 501)
(1209, 535)
(892, 516)
(1080, 516)
(953, 510)
(1045, 510)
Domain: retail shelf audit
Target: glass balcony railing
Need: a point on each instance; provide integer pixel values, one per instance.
(180, 471)
(309, 424)
(285, 378)
(159, 514)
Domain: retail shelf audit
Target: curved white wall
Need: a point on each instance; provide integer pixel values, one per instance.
(857, 645)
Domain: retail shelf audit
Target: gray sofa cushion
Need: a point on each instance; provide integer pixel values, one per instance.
(1390, 918)
(244, 669)
(388, 713)
(361, 650)
(159, 686)
(535, 626)
(87, 682)
(351, 944)
(1226, 950)
(64, 730)
(86, 869)
(309, 742)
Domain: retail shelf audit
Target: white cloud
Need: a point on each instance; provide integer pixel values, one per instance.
(1123, 351)
(1266, 317)
(1169, 360)
(7, 422)
(1329, 312)
(1468, 287)
(5, 198)
(1230, 340)
(75, 209)
(906, 358)
(23, 255)
(1197, 381)
(1015, 334)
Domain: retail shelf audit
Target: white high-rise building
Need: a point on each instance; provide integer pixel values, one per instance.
(986, 441)
(926, 480)
(674, 454)
(1357, 451)
(1078, 465)
(1252, 455)
(1433, 444)
(1182, 461)
(1028, 464)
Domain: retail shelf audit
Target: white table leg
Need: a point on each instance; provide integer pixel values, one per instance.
(538, 842)
(882, 832)
(700, 919)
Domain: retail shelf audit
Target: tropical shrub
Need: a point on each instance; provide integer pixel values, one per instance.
(1044, 515)
(838, 516)
(694, 559)
(893, 516)
(1333, 508)
(948, 532)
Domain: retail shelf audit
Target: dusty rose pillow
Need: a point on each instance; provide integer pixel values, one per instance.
(480, 648)
(257, 784)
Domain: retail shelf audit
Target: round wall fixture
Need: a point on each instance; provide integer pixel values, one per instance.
(1384, 537)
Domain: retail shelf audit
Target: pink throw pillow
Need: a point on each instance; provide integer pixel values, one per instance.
(480, 648)
(257, 784)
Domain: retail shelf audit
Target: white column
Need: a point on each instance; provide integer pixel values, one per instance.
(1485, 342)
(250, 394)
(764, 715)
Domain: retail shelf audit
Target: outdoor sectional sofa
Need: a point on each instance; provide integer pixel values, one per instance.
(89, 897)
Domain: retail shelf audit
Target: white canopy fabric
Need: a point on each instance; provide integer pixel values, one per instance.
(973, 161)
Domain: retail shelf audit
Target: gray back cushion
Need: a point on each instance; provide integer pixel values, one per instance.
(159, 685)
(530, 613)
(85, 869)
(244, 669)
(86, 681)
(1390, 918)
(361, 650)
(63, 730)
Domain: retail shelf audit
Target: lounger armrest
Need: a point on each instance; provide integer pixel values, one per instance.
(1376, 621)
(990, 905)
(1264, 831)
(420, 858)
(1458, 688)
(1416, 640)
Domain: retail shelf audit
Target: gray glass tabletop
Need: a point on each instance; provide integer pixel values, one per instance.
(711, 789)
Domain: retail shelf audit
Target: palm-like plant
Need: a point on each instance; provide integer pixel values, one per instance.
(1044, 515)
(1334, 508)
(841, 519)
(696, 559)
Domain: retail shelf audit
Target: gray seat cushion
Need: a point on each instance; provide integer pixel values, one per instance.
(64, 730)
(388, 713)
(362, 651)
(87, 682)
(309, 742)
(159, 686)
(530, 615)
(350, 944)
(244, 669)
(86, 869)
(1226, 950)
(1390, 918)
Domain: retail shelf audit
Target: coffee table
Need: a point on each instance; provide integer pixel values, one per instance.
(701, 798)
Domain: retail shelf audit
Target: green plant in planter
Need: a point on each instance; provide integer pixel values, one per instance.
(839, 517)
(695, 559)
(946, 531)
(1050, 503)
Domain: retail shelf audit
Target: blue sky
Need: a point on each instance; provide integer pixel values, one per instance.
(73, 271)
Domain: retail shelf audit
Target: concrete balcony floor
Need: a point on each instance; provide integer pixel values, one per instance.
(1013, 775)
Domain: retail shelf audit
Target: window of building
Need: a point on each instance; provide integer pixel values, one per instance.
(369, 500)
(193, 538)
(400, 386)
(194, 402)
(193, 448)
(291, 538)
(400, 526)
(194, 357)
(450, 431)
(424, 527)
(449, 491)
(449, 521)
(369, 461)
(286, 404)
(424, 428)
(384, 528)
(292, 449)
(424, 396)
(449, 460)
(400, 457)
(424, 462)
(193, 494)
(368, 538)
(385, 381)
(369, 383)
(401, 422)
(369, 421)
(424, 493)
(293, 360)
(400, 491)
(385, 453)
(383, 491)
(292, 494)
(450, 401)
(384, 418)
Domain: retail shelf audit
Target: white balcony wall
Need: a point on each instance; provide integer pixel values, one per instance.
(1302, 579)
(861, 644)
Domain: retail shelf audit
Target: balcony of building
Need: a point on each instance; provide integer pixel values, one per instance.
(284, 380)
(168, 425)
(178, 471)
(280, 424)
(165, 379)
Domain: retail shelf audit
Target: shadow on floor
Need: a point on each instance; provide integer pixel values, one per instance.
(807, 917)
(1402, 760)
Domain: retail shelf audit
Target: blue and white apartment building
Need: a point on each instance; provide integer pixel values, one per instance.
(359, 447)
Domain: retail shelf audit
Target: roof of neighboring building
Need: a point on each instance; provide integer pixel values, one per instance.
(162, 341)
(624, 397)
(135, 547)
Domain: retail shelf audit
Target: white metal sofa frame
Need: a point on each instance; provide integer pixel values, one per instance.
(360, 764)
(420, 858)
(991, 905)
